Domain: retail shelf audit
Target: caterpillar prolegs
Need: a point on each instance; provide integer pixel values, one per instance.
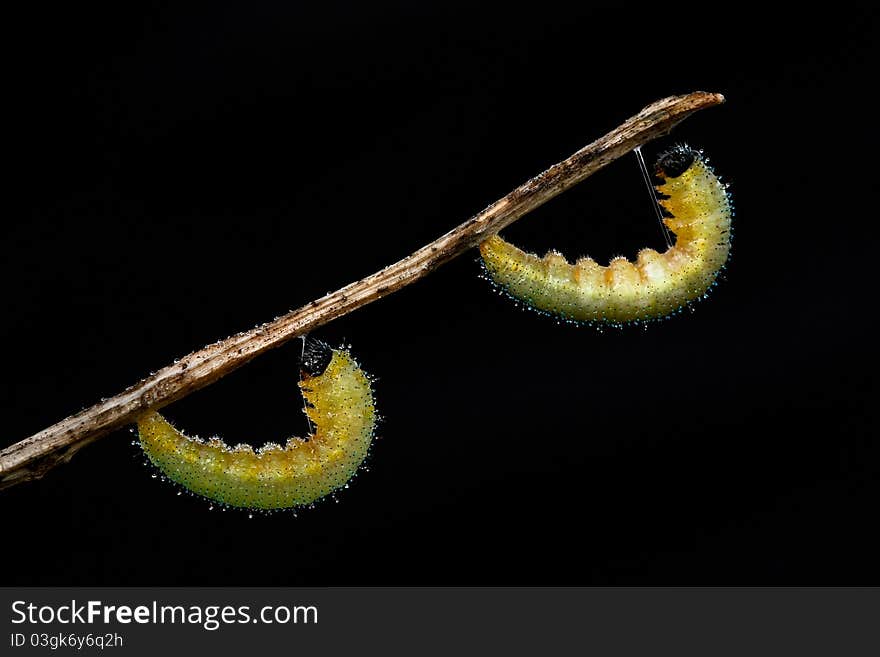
(339, 403)
(697, 210)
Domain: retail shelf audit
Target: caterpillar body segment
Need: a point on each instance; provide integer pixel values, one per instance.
(341, 409)
(697, 210)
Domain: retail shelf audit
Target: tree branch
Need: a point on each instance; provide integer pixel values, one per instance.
(33, 457)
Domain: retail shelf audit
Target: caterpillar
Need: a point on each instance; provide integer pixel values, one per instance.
(697, 210)
(340, 406)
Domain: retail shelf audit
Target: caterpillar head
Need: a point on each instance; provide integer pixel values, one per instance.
(316, 357)
(675, 161)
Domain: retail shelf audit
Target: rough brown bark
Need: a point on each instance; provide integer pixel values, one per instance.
(32, 457)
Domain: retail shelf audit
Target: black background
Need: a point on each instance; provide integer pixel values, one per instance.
(183, 176)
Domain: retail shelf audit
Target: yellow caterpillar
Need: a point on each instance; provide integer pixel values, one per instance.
(340, 405)
(698, 211)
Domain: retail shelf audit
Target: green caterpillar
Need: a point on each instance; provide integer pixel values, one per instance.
(698, 211)
(340, 406)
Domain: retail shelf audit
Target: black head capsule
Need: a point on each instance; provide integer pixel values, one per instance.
(316, 357)
(675, 161)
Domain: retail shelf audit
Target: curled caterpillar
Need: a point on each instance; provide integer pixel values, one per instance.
(697, 209)
(340, 406)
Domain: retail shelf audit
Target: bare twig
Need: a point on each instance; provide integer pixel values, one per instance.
(33, 457)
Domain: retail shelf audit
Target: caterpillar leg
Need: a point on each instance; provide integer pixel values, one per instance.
(697, 211)
(340, 406)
